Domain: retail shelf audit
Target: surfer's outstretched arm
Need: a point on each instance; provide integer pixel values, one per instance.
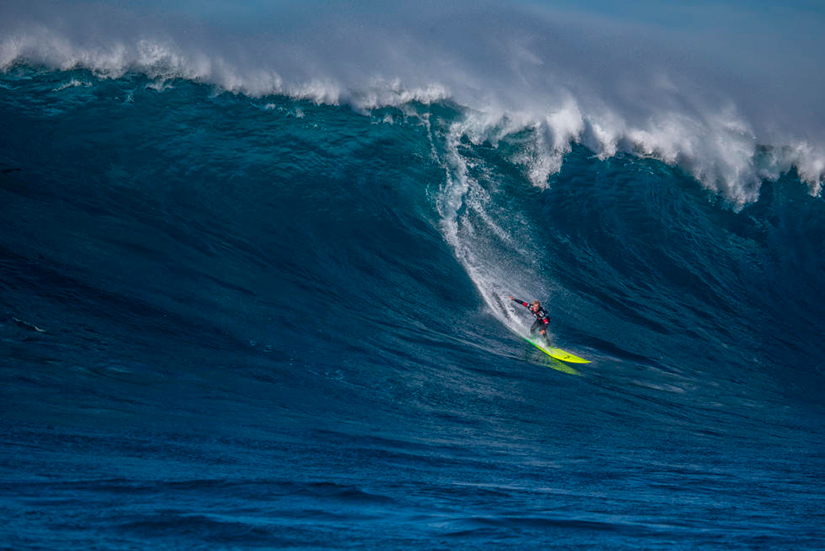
(520, 302)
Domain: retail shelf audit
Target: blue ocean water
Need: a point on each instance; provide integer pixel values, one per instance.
(233, 320)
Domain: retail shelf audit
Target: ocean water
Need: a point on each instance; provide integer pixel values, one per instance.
(266, 315)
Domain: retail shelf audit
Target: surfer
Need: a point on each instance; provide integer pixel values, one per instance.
(542, 319)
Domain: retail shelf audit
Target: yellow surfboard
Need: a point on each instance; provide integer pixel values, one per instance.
(558, 353)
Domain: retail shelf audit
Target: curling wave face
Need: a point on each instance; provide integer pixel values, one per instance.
(219, 208)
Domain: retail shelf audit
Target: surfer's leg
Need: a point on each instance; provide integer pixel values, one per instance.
(544, 334)
(535, 327)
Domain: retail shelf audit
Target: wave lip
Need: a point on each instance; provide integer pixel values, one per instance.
(529, 73)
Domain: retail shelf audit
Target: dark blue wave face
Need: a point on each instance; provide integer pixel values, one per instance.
(258, 322)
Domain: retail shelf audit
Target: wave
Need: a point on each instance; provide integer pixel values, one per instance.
(203, 175)
(272, 320)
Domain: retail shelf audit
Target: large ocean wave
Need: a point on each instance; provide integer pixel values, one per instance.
(253, 296)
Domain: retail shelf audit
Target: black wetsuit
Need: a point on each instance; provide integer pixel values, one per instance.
(542, 319)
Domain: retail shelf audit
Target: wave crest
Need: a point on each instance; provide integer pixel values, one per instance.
(518, 81)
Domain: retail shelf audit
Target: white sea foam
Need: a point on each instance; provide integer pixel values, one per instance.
(489, 241)
(73, 83)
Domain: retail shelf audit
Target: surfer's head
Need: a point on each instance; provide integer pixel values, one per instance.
(536, 304)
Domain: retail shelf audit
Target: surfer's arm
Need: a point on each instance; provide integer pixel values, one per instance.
(520, 302)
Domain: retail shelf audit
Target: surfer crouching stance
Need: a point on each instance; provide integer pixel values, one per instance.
(542, 319)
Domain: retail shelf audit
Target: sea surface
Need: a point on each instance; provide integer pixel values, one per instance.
(260, 318)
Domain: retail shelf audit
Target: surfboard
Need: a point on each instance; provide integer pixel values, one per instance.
(558, 353)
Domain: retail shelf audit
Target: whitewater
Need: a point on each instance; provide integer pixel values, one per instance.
(255, 261)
